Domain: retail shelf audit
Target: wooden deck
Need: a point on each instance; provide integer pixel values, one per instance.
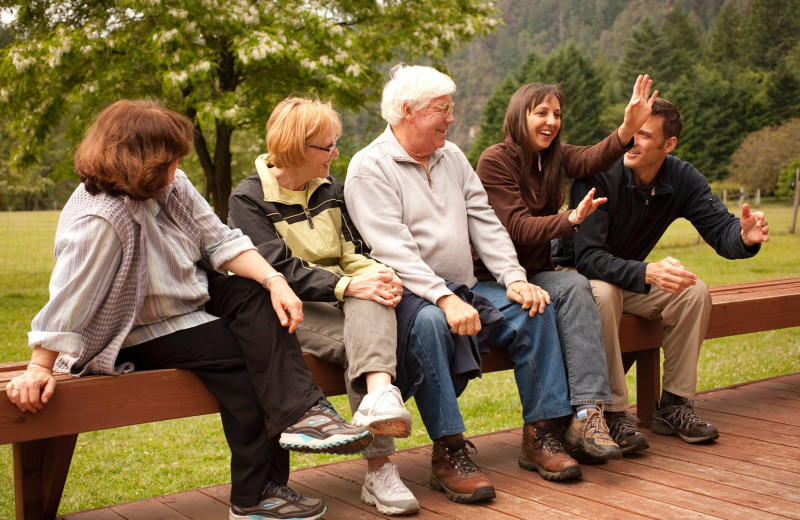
(751, 472)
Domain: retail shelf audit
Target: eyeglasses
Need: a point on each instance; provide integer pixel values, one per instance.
(446, 109)
(328, 149)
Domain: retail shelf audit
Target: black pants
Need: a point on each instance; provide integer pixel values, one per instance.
(254, 368)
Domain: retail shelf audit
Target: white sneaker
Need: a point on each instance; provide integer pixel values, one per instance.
(383, 413)
(384, 490)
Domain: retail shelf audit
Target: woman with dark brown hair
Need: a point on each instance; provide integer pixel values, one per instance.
(136, 287)
(524, 177)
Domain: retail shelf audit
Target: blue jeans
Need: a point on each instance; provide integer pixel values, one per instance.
(436, 397)
(580, 331)
(533, 348)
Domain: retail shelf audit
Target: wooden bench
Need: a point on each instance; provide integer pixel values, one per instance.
(43, 443)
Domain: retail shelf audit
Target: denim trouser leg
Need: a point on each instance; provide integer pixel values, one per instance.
(580, 330)
(436, 399)
(533, 348)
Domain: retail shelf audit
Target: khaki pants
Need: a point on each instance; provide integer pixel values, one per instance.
(685, 318)
(360, 335)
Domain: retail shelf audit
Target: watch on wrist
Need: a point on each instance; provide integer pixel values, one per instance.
(270, 276)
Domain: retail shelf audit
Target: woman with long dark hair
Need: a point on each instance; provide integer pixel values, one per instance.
(525, 179)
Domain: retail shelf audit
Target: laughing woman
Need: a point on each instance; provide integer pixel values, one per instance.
(524, 177)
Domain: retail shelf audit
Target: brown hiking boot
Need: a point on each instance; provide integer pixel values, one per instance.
(453, 472)
(542, 452)
(590, 434)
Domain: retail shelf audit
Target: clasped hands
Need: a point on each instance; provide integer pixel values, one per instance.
(381, 286)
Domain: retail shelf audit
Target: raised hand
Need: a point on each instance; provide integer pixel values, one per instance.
(638, 110)
(586, 207)
(755, 228)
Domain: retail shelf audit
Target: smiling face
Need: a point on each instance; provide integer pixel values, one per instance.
(428, 126)
(544, 123)
(649, 150)
(319, 161)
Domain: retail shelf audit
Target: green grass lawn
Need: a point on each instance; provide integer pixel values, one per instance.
(126, 464)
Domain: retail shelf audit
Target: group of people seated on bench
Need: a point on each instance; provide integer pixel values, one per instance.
(404, 275)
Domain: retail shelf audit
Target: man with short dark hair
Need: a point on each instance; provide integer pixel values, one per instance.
(647, 191)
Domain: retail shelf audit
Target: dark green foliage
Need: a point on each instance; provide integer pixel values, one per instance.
(714, 120)
(771, 29)
(582, 86)
(786, 179)
(494, 113)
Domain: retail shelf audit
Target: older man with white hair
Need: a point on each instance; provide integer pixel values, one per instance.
(422, 209)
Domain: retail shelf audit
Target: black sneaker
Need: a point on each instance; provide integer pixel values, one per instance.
(280, 502)
(622, 426)
(679, 419)
(321, 430)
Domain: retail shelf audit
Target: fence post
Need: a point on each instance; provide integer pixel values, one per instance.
(758, 198)
(796, 200)
(725, 197)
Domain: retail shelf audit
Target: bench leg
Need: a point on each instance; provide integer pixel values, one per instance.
(648, 384)
(40, 471)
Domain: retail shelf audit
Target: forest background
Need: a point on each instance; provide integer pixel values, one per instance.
(732, 67)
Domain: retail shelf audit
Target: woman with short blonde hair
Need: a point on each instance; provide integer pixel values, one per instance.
(294, 212)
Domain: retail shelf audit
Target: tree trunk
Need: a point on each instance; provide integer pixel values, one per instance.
(221, 184)
(201, 148)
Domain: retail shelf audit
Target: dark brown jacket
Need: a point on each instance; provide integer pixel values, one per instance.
(530, 225)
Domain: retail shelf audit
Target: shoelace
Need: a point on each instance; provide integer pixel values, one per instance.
(285, 492)
(460, 455)
(326, 408)
(685, 415)
(392, 394)
(391, 480)
(596, 425)
(624, 422)
(549, 440)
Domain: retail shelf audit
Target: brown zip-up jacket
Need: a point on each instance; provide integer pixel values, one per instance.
(530, 225)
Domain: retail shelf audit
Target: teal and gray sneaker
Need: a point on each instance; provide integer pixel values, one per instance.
(322, 430)
(280, 502)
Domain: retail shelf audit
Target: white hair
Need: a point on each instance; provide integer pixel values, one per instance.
(415, 85)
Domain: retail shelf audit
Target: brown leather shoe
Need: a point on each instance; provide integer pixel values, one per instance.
(453, 472)
(542, 452)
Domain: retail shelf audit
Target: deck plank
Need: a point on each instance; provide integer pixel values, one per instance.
(752, 471)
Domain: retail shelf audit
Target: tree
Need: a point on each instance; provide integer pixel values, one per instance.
(223, 64)
(763, 153)
(583, 89)
(714, 121)
(771, 29)
(787, 178)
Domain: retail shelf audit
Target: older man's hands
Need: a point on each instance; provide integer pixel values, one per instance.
(462, 317)
(529, 295)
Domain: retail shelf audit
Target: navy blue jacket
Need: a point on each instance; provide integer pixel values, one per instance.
(614, 241)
